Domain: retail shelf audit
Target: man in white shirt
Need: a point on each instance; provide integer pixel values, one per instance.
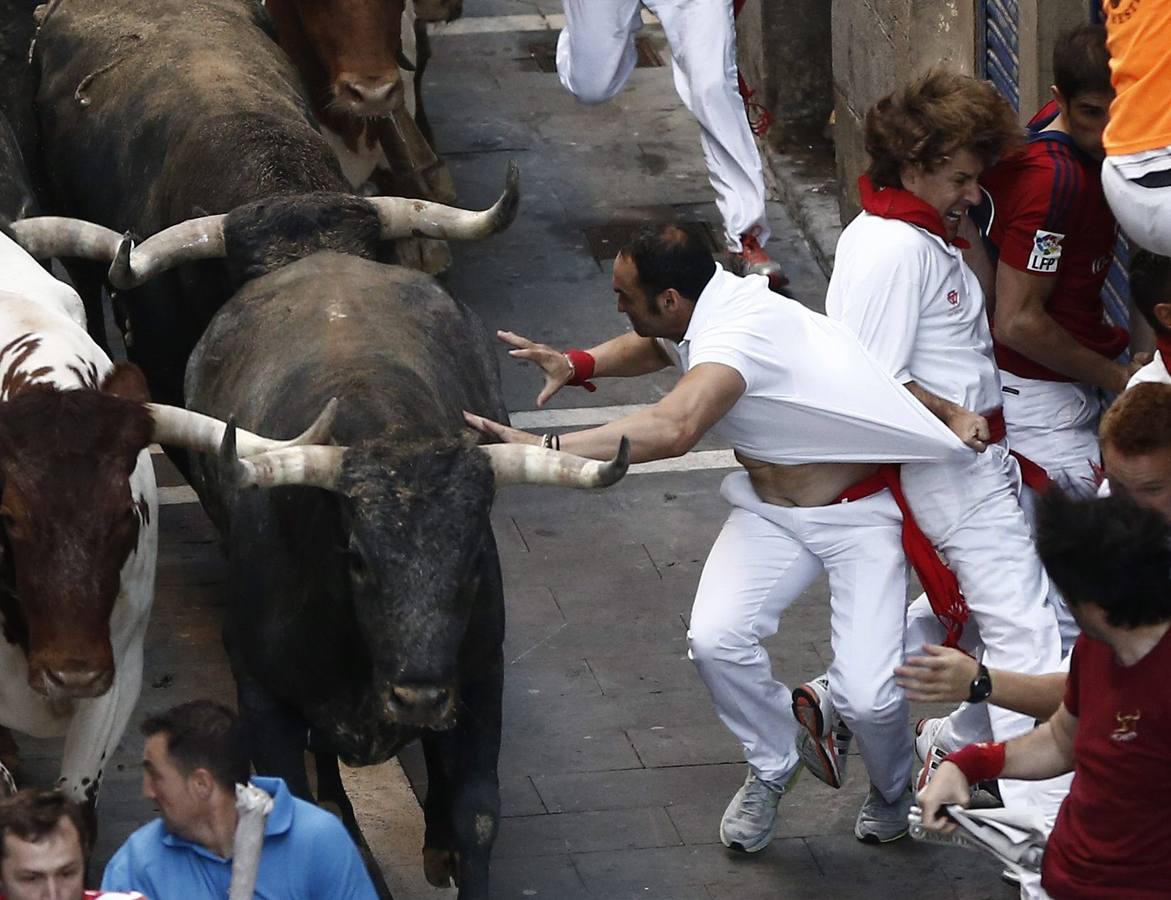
(810, 415)
(901, 284)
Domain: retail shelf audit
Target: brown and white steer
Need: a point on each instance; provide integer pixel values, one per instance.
(78, 513)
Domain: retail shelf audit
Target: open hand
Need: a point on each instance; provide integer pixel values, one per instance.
(942, 674)
(552, 362)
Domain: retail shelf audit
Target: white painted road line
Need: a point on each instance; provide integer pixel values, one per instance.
(173, 496)
(572, 418)
(503, 24)
(694, 461)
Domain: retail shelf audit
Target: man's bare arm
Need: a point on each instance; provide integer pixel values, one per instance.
(1022, 322)
(945, 674)
(669, 428)
(968, 426)
(1045, 752)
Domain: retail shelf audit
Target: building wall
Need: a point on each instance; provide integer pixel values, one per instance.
(785, 55)
(881, 44)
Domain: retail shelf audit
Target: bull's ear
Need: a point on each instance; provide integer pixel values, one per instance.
(126, 380)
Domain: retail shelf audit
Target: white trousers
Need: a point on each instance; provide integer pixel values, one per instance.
(595, 56)
(1055, 424)
(1144, 214)
(971, 512)
(764, 558)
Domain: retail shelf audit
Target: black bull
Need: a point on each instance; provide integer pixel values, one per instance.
(155, 111)
(345, 602)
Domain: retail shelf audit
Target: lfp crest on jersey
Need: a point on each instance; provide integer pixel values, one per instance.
(1046, 252)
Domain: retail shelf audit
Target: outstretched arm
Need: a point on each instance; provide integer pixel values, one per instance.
(622, 357)
(669, 428)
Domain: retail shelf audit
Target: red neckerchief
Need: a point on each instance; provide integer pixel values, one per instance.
(1163, 343)
(896, 203)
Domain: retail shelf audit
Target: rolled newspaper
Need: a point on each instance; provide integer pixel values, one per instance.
(252, 807)
(1015, 837)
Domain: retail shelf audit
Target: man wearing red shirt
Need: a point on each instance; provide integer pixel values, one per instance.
(1054, 234)
(1111, 559)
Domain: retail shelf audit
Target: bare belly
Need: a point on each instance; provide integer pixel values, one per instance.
(813, 484)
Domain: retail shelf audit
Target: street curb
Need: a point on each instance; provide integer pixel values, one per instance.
(811, 202)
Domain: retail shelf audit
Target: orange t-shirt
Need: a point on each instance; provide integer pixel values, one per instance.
(1139, 40)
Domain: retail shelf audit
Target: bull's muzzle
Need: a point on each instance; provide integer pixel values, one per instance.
(70, 680)
(368, 96)
(422, 706)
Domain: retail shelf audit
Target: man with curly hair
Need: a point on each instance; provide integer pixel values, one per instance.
(901, 283)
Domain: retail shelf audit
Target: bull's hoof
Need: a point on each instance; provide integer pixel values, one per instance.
(441, 867)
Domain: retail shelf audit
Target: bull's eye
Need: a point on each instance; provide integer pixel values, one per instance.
(7, 519)
(358, 568)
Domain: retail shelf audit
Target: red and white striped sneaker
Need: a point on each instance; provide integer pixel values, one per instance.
(825, 741)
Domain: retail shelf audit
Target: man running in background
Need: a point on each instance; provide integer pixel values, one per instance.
(595, 56)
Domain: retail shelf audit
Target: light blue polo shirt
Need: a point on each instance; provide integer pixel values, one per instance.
(307, 855)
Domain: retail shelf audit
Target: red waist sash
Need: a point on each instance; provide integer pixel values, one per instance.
(943, 590)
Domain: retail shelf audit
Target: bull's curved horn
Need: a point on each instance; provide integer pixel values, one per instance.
(526, 464)
(47, 236)
(188, 241)
(401, 217)
(195, 431)
(314, 466)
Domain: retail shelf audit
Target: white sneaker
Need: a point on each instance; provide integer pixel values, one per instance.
(750, 821)
(826, 739)
(928, 750)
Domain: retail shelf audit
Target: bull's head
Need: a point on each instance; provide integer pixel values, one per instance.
(350, 46)
(69, 522)
(419, 545)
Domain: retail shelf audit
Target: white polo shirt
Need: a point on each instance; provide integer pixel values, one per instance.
(917, 307)
(812, 393)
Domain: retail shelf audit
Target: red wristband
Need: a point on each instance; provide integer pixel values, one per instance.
(583, 364)
(978, 762)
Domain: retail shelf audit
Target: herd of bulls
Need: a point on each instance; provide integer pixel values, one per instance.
(366, 605)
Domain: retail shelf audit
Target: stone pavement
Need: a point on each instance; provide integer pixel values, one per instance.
(614, 769)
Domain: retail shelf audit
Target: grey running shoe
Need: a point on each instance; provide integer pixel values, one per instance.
(826, 740)
(880, 822)
(750, 821)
